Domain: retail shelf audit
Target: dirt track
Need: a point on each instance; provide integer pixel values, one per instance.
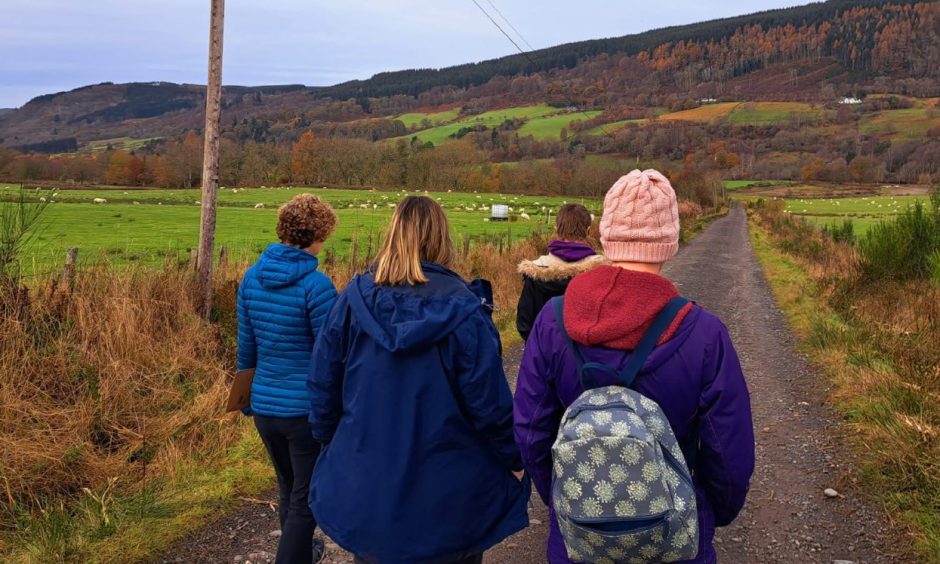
(787, 517)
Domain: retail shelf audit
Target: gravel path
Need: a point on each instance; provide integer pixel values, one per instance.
(788, 518)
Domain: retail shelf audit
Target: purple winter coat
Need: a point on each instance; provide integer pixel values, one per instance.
(695, 377)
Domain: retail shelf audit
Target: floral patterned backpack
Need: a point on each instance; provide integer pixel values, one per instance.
(620, 486)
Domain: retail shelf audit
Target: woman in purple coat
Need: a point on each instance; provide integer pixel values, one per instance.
(693, 373)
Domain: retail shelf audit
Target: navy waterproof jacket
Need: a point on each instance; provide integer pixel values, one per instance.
(282, 302)
(409, 395)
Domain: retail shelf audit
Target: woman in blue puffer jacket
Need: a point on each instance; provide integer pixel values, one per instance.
(413, 407)
(282, 302)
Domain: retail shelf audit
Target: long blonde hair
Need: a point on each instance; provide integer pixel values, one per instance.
(418, 232)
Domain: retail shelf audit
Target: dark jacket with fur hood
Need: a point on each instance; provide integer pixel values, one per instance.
(548, 276)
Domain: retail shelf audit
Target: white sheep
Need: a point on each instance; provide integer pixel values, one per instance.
(392, 206)
(525, 216)
(198, 203)
(100, 201)
(259, 206)
(364, 206)
(42, 199)
(136, 203)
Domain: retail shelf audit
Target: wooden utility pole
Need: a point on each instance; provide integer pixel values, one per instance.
(210, 159)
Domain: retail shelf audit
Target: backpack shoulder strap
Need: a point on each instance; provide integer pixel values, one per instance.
(586, 369)
(642, 352)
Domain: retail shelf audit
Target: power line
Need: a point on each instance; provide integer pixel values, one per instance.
(499, 27)
(505, 19)
(524, 52)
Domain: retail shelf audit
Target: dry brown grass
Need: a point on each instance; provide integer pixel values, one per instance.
(99, 381)
(877, 341)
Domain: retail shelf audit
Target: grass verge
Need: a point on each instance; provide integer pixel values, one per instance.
(877, 346)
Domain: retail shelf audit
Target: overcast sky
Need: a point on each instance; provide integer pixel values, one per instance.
(53, 45)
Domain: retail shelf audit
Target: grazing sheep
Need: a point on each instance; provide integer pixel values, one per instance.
(136, 203)
(259, 206)
(100, 201)
(525, 216)
(198, 203)
(42, 198)
(364, 206)
(391, 206)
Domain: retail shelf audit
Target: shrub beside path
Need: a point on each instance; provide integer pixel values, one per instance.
(801, 453)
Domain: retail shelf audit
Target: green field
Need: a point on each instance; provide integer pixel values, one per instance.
(415, 119)
(863, 212)
(550, 127)
(614, 126)
(769, 113)
(908, 124)
(165, 223)
(442, 133)
(118, 143)
(738, 184)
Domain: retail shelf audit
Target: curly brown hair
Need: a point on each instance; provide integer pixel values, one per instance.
(305, 220)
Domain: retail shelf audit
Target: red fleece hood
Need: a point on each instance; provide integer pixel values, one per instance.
(612, 307)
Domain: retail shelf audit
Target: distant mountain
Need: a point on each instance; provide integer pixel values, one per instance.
(816, 53)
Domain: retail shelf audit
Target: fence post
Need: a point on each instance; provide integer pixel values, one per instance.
(68, 272)
(223, 255)
(466, 246)
(194, 259)
(509, 234)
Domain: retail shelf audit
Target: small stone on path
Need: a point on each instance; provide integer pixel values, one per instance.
(829, 492)
(275, 534)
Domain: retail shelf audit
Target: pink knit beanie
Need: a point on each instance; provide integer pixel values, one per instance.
(641, 219)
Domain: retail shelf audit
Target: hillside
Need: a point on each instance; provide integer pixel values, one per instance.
(812, 53)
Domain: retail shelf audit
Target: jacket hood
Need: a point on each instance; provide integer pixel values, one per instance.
(408, 318)
(613, 307)
(570, 251)
(550, 268)
(282, 265)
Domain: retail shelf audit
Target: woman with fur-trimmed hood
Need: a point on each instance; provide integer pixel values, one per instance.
(548, 276)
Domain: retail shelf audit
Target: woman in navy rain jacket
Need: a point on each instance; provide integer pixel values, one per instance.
(411, 402)
(282, 302)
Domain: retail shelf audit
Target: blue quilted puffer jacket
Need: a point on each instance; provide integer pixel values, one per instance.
(282, 302)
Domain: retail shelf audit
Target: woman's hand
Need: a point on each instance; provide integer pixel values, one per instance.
(519, 475)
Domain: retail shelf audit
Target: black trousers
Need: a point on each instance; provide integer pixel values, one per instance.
(475, 559)
(294, 453)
